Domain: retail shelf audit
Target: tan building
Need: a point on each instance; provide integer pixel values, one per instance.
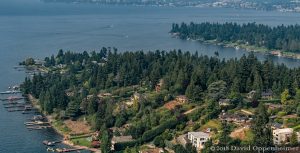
(182, 99)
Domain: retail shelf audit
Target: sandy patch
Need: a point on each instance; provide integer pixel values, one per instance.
(78, 127)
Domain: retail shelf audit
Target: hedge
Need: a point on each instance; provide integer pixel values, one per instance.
(148, 135)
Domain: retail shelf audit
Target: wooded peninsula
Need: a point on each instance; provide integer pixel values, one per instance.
(266, 38)
(136, 99)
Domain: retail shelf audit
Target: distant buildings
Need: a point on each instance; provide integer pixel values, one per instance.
(266, 94)
(235, 118)
(198, 139)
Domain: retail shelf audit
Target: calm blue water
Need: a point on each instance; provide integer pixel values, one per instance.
(30, 28)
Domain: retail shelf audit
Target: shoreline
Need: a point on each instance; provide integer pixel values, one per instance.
(65, 136)
(248, 48)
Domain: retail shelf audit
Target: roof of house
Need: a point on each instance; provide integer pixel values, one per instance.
(224, 101)
(286, 130)
(276, 125)
(122, 139)
(182, 97)
(267, 93)
(199, 134)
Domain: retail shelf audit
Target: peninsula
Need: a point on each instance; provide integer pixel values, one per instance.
(163, 100)
(280, 40)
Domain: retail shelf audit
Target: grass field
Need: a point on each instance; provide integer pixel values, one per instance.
(82, 141)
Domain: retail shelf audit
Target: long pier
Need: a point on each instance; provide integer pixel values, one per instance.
(15, 106)
(12, 98)
(10, 92)
(68, 150)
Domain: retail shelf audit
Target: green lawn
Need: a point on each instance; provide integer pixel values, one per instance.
(84, 141)
(213, 124)
(249, 136)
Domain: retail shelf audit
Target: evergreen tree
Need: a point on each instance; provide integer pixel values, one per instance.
(105, 141)
(261, 129)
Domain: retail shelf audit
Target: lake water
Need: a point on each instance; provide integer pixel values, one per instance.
(30, 28)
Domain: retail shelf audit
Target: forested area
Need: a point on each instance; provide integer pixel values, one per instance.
(285, 38)
(73, 82)
(182, 72)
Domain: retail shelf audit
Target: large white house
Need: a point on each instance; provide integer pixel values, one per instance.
(198, 139)
(282, 136)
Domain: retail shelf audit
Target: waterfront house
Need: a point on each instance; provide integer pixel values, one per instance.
(198, 139)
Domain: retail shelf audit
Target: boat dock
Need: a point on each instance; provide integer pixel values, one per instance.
(10, 92)
(11, 103)
(24, 108)
(50, 143)
(37, 125)
(12, 98)
(15, 106)
(68, 150)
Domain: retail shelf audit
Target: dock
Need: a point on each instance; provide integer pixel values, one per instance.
(10, 92)
(12, 98)
(38, 127)
(15, 106)
(50, 143)
(68, 150)
(35, 123)
(15, 110)
(11, 103)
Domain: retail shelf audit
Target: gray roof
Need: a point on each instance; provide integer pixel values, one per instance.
(122, 139)
(276, 125)
(199, 134)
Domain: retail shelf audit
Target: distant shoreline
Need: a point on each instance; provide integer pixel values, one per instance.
(248, 48)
